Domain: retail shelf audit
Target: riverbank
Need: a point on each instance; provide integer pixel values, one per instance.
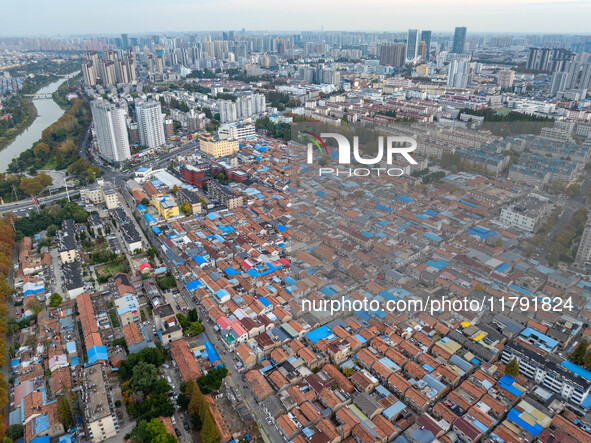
(31, 114)
(31, 86)
(46, 113)
(67, 87)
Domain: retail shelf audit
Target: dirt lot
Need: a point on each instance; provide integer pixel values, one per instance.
(231, 417)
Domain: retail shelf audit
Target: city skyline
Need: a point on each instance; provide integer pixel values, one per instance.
(110, 17)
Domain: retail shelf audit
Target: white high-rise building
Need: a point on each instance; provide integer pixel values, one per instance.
(560, 82)
(583, 257)
(244, 107)
(259, 103)
(111, 131)
(150, 122)
(505, 78)
(459, 73)
(228, 112)
(89, 73)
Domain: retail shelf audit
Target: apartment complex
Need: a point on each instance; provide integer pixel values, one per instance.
(111, 131)
(151, 124)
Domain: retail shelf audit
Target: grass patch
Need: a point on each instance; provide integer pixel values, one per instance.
(114, 319)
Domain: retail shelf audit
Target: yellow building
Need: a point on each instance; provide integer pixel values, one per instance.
(218, 148)
(422, 70)
(165, 205)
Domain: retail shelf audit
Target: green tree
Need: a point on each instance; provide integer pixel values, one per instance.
(512, 368)
(186, 208)
(15, 431)
(557, 186)
(573, 189)
(55, 300)
(183, 320)
(194, 406)
(44, 180)
(175, 189)
(212, 381)
(157, 432)
(587, 361)
(145, 375)
(151, 431)
(63, 412)
(193, 315)
(30, 186)
(209, 431)
(153, 356)
(36, 306)
(579, 353)
(196, 328)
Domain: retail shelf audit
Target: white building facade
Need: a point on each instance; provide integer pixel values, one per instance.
(111, 131)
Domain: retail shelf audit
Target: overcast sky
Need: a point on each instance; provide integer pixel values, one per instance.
(65, 17)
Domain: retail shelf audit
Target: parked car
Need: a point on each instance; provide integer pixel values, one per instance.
(177, 432)
(186, 426)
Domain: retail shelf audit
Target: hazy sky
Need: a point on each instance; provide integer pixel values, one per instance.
(64, 17)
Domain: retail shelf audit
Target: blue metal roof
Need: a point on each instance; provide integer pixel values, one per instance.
(580, 371)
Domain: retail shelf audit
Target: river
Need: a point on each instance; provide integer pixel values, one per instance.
(48, 112)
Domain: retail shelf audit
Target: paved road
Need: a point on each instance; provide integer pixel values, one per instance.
(269, 432)
(24, 207)
(569, 206)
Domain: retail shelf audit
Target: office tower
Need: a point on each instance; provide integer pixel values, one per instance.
(560, 82)
(412, 44)
(124, 41)
(426, 37)
(459, 40)
(392, 55)
(459, 74)
(505, 78)
(584, 252)
(150, 122)
(89, 73)
(111, 131)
